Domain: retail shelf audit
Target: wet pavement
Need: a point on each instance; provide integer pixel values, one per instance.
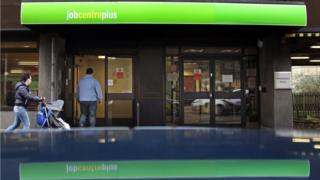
(187, 151)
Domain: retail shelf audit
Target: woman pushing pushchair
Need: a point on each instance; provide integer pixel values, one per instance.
(22, 98)
(46, 117)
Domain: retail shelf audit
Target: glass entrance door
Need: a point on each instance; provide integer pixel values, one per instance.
(227, 92)
(120, 95)
(115, 74)
(211, 93)
(196, 99)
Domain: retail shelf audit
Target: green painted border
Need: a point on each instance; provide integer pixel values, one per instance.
(33, 13)
(152, 169)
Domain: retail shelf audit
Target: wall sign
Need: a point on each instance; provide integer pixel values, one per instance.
(282, 80)
(33, 13)
(197, 74)
(227, 78)
(110, 82)
(119, 73)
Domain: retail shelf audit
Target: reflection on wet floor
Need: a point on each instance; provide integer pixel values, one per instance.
(157, 143)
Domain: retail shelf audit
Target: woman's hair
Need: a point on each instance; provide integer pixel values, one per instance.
(24, 77)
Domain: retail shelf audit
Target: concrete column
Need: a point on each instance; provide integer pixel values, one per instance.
(276, 104)
(151, 85)
(51, 59)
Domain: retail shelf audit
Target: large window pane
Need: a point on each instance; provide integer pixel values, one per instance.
(306, 96)
(197, 111)
(18, 58)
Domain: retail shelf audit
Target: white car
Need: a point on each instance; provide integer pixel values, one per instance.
(223, 106)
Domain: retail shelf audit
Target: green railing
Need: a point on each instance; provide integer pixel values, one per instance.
(306, 109)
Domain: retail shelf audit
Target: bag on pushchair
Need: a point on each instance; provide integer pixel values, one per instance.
(47, 117)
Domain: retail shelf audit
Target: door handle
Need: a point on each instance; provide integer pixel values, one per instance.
(138, 113)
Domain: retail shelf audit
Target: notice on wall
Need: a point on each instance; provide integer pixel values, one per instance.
(110, 82)
(119, 73)
(282, 80)
(227, 78)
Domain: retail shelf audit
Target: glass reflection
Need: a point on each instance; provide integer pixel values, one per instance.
(196, 76)
(197, 111)
(228, 111)
(227, 76)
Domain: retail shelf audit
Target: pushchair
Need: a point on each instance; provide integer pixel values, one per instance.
(48, 115)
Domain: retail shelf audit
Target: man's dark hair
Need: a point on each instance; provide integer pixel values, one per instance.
(24, 77)
(89, 71)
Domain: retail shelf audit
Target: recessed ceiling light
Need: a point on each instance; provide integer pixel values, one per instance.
(26, 46)
(315, 60)
(112, 58)
(101, 57)
(315, 47)
(300, 57)
(16, 71)
(28, 63)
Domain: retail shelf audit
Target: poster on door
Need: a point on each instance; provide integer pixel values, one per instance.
(197, 74)
(119, 73)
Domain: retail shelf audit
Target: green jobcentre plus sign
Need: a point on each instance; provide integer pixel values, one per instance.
(42, 13)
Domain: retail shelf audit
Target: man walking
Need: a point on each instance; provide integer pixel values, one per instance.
(89, 92)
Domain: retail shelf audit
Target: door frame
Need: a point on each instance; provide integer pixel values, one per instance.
(212, 59)
(115, 53)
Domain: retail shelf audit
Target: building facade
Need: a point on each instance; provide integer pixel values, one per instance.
(181, 63)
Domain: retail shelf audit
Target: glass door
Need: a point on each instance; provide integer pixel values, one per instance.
(120, 89)
(196, 99)
(211, 93)
(227, 92)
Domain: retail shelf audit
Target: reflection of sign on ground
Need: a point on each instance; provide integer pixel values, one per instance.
(282, 80)
(164, 169)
